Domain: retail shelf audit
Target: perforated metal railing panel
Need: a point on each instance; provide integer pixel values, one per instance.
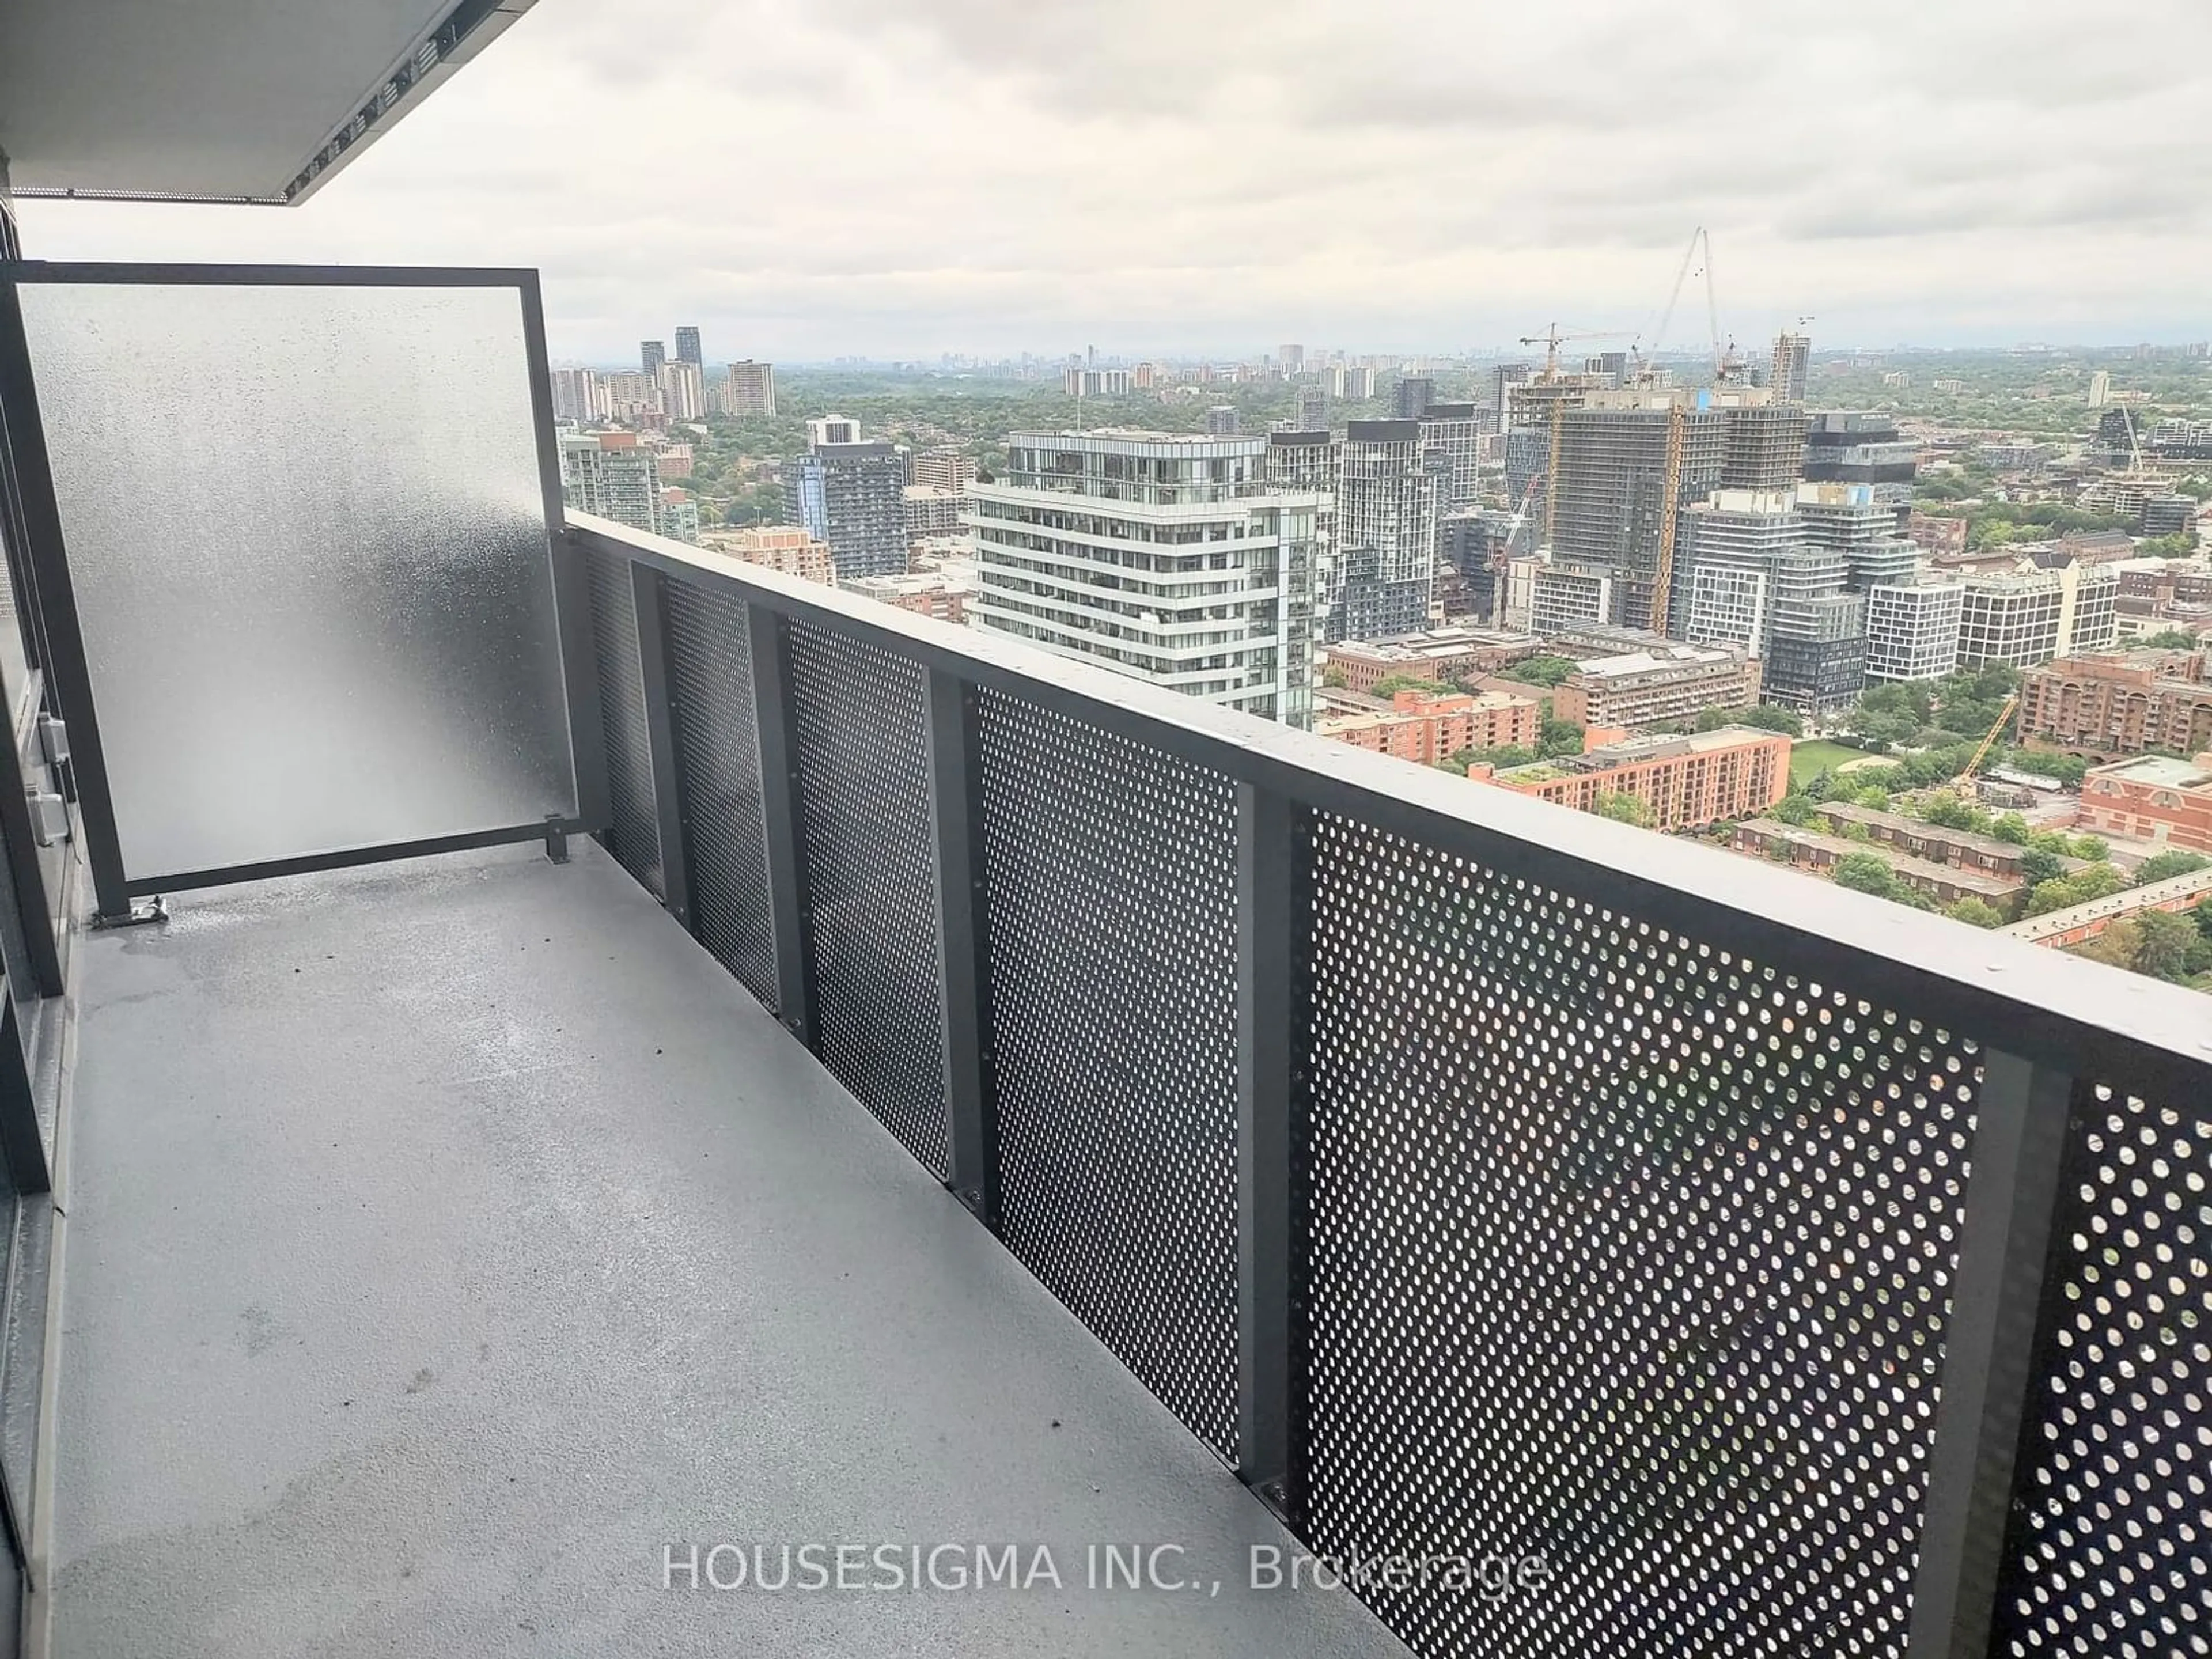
(718, 757)
(634, 836)
(2111, 1545)
(1111, 876)
(1628, 1257)
(872, 891)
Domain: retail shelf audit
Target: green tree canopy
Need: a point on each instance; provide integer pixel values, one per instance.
(1559, 738)
(1866, 872)
(2164, 866)
(1547, 671)
(2165, 943)
(1976, 913)
(1392, 685)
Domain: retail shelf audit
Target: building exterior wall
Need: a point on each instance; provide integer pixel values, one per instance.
(2026, 618)
(1792, 373)
(1961, 849)
(1564, 598)
(2170, 802)
(683, 390)
(925, 595)
(613, 475)
(852, 496)
(1429, 726)
(944, 469)
(1912, 630)
(2079, 923)
(1678, 687)
(1685, 782)
(786, 547)
(749, 389)
(1388, 497)
(2107, 706)
(1163, 556)
(931, 511)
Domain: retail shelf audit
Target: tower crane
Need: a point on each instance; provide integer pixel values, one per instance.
(1721, 355)
(1550, 340)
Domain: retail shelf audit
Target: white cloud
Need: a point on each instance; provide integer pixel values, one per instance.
(807, 177)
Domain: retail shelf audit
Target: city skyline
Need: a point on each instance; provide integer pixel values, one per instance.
(973, 183)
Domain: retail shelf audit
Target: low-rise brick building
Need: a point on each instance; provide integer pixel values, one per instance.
(1682, 781)
(1428, 725)
(1657, 686)
(927, 594)
(1817, 850)
(1436, 653)
(2077, 924)
(2107, 705)
(1962, 849)
(2153, 797)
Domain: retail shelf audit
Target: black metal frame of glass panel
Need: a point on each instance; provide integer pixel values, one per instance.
(55, 601)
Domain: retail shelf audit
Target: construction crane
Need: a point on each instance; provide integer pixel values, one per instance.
(2134, 449)
(1698, 238)
(1550, 341)
(1520, 513)
(1966, 786)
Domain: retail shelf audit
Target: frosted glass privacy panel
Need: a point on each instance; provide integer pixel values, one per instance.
(308, 541)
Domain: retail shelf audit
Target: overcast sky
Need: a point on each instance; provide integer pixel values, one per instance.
(808, 178)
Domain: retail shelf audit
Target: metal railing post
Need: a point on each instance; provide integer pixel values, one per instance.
(645, 584)
(956, 805)
(22, 1148)
(2011, 1200)
(1270, 906)
(775, 723)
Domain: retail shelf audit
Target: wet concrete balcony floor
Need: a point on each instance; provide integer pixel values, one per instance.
(446, 1240)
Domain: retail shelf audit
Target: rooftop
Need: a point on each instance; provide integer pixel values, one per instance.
(1950, 875)
(1139, 440)
(1449, 641)
(1905, 824)
(1632, 751)
(2053, 923)
(2159, 772)
(1660, 661)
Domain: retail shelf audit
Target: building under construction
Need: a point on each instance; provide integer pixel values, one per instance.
(1529, 412)
(1624, 464)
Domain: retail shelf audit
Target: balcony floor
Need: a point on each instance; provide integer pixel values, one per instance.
(445, 1239)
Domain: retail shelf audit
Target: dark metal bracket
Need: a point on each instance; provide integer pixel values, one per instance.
(142, 913)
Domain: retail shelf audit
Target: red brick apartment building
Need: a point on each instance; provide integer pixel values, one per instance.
(1428, 725)
(2107, 705)
(1733, 773)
